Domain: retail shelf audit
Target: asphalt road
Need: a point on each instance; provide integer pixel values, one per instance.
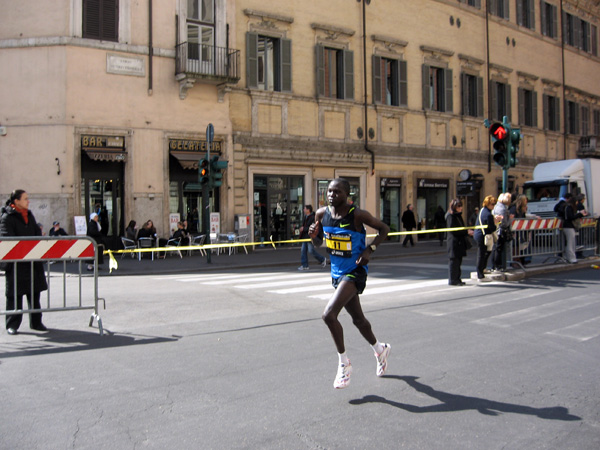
(240, 359)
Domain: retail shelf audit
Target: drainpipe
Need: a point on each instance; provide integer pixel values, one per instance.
(150, 47)
(367, 149)
(487, 67)
(564, 90)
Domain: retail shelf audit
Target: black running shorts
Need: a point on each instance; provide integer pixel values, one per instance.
(358, 276)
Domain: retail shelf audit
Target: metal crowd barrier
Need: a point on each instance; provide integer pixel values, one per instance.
(544, 237)
(54, 251)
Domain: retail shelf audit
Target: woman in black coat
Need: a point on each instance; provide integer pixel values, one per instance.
(486, 218)
(456, 242)
(16, 220)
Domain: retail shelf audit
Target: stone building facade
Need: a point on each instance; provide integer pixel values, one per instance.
(107, 103)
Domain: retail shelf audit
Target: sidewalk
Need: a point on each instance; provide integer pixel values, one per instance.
(289, 255)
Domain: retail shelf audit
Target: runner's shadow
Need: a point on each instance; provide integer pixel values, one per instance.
(455, 403)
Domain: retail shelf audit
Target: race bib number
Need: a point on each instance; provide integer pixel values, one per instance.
(339, 245)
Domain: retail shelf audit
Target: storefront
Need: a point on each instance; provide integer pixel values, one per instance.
(102, 181)
(185, 191)
(390, 205)
(431, 194)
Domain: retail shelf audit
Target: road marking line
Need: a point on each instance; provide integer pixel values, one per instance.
(582, 331)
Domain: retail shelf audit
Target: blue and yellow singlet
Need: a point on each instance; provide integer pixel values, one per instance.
(344, 243)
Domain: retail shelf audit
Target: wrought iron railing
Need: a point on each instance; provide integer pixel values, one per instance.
(208, 62)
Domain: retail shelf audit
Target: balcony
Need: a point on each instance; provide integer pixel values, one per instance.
(210, 64)
(588, 147)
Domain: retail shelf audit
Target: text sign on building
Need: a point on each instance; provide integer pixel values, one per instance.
(465, 188)
(125, 65)
(108, 142)
(391, 182)
(428, 183)
(188, 145)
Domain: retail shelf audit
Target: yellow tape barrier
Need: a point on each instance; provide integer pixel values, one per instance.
(114, 265)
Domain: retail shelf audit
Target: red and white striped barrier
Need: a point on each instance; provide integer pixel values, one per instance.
(536, 224)
(36, 250)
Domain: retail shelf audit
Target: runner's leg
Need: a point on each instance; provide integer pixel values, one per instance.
(359, 320)
(342, 295)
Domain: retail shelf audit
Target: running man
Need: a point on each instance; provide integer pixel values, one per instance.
(343, 228)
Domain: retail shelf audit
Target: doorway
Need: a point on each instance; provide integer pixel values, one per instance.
(104, 196)
(390, 204)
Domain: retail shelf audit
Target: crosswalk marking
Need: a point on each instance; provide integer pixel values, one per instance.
(583, 331)
(537, 312)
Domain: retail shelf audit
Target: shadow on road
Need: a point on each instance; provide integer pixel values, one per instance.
(66, 341)
(455, 403)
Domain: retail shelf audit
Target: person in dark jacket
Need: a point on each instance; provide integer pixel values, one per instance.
(456, 242)
(440, 220)
(308, 247)
(571, 214)
(56, 230)
(94, 230)
(485, 218)
(409, 223)
(16, 220)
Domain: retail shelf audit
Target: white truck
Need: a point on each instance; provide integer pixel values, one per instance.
(552, 180)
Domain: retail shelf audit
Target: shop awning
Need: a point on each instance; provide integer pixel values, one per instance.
(97, 154)
(188, 160)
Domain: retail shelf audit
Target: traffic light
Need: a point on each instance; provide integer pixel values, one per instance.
(204, 172)
(500, 136)
(216, 167)
(513, 149)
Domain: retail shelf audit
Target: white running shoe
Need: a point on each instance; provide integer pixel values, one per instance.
(382, 359)
(301, 268)
(342, 379)
(324, 263)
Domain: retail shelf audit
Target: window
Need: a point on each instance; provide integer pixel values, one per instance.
(389, 81)
(335, 73)
(585, 121)
(201, 31)
(551, 113)
(475, 3)
(526, 14)
(101, 20)
(268, 63)
(499, 8)
(472, 95)
(437, 89)
(549, 19)
(501, 101)
(572, 112)
(580, 34)
(596, 122)
(527, 107)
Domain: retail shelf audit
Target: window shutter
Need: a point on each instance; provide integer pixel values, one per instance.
(543, 17)
(531, 5)
(494, 105)
(348, 75)
(110, 20)
(479, 97)
(520, 12)
(376, 61)
(252, 60)
(534, 109)
(506, 12)
(594, 40)
(493, 7)
(286, 65)
(425, 87)
(521, 100)
(402, 84)
(508, 103)
(464, 95)
(320, 57)
(546, 111)
(91, 19)
(568, 118)
(565, 28)
(554, 22)
(556, 115)
(448, 100)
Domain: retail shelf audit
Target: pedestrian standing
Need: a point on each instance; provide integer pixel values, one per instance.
(487, 220)
(409, 223)
(343, 226)
(17, 220)
(570, 215)
(457, 242)
(308, 247)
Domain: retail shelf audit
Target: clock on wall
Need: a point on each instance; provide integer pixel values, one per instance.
(464, 175)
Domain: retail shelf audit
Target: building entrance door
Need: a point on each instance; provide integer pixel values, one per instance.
(390, 205)
(104, 197)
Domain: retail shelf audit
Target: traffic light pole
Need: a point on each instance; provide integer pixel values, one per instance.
(210, 132)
